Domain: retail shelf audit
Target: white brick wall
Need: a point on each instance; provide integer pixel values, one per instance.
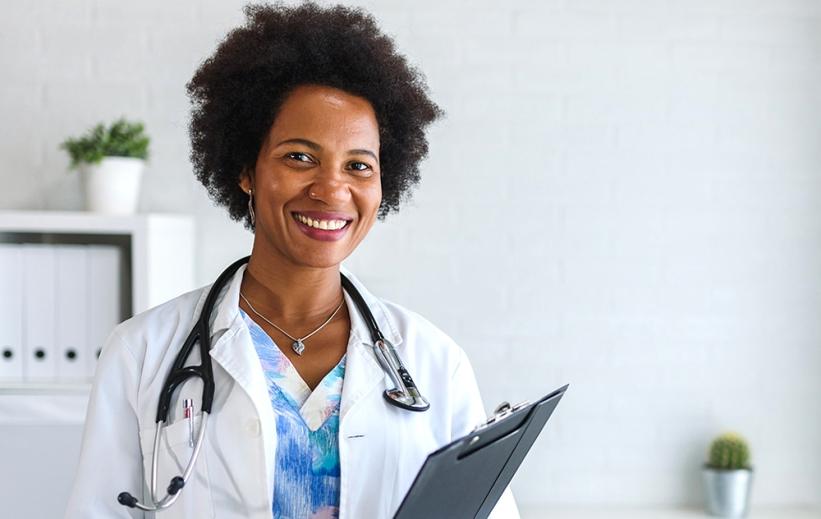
(624, 196)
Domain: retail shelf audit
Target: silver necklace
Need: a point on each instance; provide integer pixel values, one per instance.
(298, 345)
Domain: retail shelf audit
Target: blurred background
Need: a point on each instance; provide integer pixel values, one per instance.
(623, 196)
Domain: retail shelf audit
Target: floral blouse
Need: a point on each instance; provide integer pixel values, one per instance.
(307, 457)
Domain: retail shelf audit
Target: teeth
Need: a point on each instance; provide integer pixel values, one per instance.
(328, 225)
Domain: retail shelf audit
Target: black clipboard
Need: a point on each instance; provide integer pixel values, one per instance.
(465, 478)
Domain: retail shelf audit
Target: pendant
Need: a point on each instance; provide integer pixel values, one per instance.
(298, 347)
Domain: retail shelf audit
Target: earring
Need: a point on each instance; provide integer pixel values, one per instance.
(251, 207)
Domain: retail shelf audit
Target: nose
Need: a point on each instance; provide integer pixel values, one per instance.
(330, 186)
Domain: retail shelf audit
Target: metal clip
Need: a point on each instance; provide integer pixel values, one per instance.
(502, 411)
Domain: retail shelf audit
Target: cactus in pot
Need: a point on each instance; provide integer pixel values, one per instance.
(728, 476)
(729, 452)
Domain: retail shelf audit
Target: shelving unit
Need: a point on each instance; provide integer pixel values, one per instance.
(41, 423)
(156, 265)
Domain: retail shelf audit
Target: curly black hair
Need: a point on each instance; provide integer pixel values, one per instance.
(237, 92)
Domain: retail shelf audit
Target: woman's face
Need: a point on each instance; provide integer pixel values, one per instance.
(316, 183)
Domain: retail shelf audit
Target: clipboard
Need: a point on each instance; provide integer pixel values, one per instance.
(465, 478)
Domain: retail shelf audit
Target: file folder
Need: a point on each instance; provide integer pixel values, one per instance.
(103, 299)
(11, 312)
(467, 477)
(39, 289)
(71, 313)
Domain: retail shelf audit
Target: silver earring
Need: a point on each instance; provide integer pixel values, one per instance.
(251, 207)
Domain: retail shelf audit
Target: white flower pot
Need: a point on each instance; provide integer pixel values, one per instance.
(113, 185)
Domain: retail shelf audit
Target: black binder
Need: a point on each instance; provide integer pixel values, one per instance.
(466, 478)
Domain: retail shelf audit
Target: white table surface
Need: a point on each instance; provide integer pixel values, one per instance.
(659, 512)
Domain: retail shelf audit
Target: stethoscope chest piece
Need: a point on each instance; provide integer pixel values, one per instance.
(404, 394)
(410, 402)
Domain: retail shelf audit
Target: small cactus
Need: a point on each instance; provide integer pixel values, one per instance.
(729, 451)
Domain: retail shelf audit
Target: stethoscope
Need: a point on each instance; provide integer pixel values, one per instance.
(404, 394)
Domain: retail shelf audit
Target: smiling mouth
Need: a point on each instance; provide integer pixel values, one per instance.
(324, 225)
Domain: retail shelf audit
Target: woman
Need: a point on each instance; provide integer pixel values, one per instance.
(307, 125)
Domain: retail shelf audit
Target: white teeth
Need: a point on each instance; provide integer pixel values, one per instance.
(328, 225)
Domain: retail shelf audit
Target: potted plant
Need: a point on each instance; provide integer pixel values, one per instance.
(111, 160)
(728, 476)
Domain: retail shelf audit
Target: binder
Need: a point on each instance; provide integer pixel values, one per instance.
(39, 352)
(71, 312)
(467, 477)
(11, 312)
(103, 299)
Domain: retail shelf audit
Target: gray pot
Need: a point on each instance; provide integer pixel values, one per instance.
(727, 491)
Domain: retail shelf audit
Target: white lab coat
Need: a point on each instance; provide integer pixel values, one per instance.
(381, 447)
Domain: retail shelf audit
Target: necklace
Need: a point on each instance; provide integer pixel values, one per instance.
(298, 345)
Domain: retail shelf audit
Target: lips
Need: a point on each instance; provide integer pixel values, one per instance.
(323, 226)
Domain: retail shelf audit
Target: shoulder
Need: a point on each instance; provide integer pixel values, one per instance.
(423, 339)
(420, 342)
(414, 323)
(159, 325)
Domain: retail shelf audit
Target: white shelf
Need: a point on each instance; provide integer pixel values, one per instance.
(162, 245)
(80, 222)
(45, 404)
(659, 512)
(44, 388)
(55, 407)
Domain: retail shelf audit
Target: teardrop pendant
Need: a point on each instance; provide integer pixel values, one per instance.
(298, 347)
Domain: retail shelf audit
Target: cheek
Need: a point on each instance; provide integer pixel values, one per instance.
(276, 186)
(375, 196)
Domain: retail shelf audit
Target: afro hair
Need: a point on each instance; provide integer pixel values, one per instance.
(237, 92)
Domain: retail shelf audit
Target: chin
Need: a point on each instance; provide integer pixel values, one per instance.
(320, 260)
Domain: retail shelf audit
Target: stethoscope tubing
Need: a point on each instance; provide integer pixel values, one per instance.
(404, 395)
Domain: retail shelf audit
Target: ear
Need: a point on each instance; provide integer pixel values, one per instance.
(245, 181)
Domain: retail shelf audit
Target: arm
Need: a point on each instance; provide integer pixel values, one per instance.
(110, 456)
(468, 412)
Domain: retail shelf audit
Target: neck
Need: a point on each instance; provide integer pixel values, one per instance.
(286, 292)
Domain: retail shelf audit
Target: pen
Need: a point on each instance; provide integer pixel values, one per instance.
(188, 410)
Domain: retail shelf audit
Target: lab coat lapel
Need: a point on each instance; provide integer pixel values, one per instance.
(362, 371)
(233, 349)
(362, 375)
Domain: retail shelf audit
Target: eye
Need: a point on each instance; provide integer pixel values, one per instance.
(359, 166)
(298, 156)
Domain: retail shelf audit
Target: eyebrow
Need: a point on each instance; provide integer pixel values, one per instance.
(316, 147)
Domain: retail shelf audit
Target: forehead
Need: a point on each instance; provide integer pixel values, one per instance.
(327, 116)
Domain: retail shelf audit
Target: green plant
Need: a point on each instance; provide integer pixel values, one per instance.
(729, 451)
(121, 139)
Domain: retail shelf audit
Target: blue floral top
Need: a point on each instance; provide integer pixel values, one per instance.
(307, 471)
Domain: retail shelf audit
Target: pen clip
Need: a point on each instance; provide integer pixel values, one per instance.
(188, 412)
(188, 407)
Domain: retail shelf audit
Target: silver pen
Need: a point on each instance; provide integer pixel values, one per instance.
(188, 413)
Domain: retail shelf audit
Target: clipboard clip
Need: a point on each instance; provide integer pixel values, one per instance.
(501, 412)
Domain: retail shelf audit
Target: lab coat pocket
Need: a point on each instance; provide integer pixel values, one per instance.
(173, 457)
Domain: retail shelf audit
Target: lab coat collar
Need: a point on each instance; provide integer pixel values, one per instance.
(386, 323)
